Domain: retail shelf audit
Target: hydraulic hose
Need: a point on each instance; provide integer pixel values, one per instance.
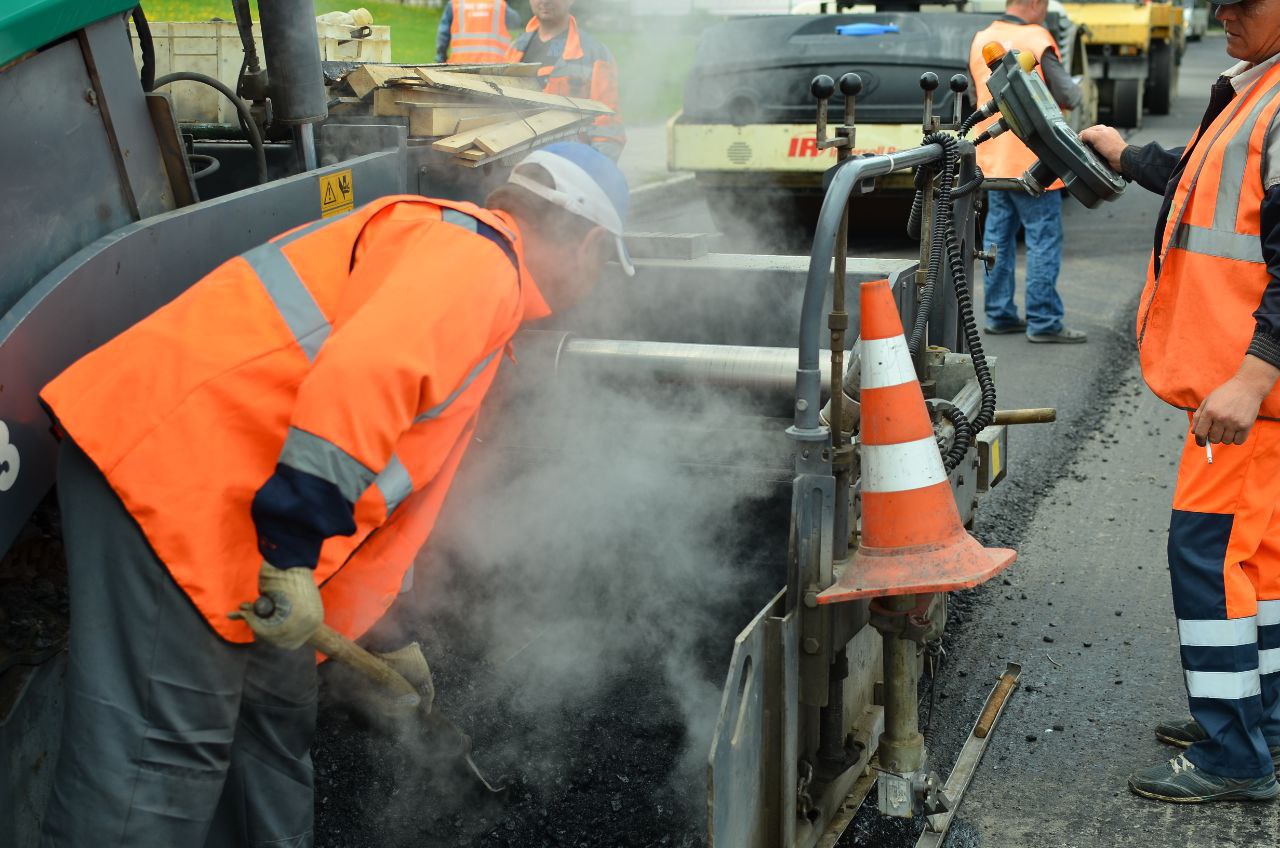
(246, 119)
(147, 46)
(943, 240)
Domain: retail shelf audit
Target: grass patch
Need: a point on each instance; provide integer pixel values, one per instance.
(652, 62)
(413, 29)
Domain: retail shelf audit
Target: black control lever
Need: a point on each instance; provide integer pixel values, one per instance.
(929, 84)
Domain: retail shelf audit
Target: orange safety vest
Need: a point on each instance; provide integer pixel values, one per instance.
(1005, 156)
(585, 69)
(478, 35)
(1195, 320)
(357, 349)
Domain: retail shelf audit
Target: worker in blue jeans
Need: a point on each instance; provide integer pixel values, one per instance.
(1022, 28)
(1042, 218)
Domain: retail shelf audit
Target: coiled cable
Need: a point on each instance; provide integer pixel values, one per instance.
(943, 240)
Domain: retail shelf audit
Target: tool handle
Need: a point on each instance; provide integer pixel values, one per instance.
(1046, 415)
(335, 646)
(988, 717)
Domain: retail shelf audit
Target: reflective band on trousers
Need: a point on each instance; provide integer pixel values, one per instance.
(1224, 244)
(292, 298)
(1268, 613)
(1224, 685)
(886, 362)
(319, 457)
(394, 483)
(1269, 661)
(901, 467)
(437, 410)
(1219, 633)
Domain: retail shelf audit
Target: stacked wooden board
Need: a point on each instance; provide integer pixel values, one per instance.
(477, 114)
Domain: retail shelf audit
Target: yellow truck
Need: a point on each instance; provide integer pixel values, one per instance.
(1134, 49)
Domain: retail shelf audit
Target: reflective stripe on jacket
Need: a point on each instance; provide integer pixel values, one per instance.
(585, 68)
(1195, 320)
(479, 33)
(352, 353)
(1005, 156)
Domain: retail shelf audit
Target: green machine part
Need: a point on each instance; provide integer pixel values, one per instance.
(27, 25)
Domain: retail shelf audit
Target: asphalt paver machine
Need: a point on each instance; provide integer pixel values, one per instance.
(105, 226)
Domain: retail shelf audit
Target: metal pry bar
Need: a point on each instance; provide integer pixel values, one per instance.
(936, 826)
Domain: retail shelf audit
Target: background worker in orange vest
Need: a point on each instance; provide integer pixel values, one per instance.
(1021, 28)
(288, 426)
(574, 64)
(1209, 342)
(475, 32)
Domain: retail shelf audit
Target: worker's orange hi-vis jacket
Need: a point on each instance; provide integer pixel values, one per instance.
(479, 33)
(585, 69)
(345, 360)
(1005, 156)
(1195, 319)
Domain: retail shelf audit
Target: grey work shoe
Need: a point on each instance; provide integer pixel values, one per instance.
(1182, 734)
(1185, 733)
(1181, 782)
(1064, 336)
(1005, 329)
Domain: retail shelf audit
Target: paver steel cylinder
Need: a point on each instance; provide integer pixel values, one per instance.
(902, 745)
(295, 81)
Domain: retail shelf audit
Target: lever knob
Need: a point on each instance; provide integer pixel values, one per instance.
(928, 81)
(822, 87)
(959, 83)
(850, 85)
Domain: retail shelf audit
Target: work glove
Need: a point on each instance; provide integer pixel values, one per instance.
(295, 611)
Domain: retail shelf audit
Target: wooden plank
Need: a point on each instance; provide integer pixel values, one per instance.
(472, 161)
(501, 138)
(448, 120)
(456, 143)
(366, 78)
(395, 101)
(475, 122)
(479, 87)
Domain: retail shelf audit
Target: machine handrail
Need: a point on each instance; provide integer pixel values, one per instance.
(845, 179)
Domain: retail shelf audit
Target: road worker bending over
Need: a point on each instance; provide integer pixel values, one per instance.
(288, 426)
(1209, 340)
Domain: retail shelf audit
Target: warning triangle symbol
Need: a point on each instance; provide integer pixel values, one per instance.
(329, 196)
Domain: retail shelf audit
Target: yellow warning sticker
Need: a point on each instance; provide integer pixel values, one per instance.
(337, 193)
(995, 460)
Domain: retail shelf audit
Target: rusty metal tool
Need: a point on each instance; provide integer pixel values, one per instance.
(936, 826)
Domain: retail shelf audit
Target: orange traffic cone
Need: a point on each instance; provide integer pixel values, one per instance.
(912, 538)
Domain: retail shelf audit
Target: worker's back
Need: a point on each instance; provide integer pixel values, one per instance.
(357, 350)
(478, 33)
(1005, 156)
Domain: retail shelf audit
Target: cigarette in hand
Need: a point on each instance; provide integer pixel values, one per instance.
(1208, 452)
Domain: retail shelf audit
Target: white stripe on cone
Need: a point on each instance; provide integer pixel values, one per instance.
(901, 467)
(886, 362)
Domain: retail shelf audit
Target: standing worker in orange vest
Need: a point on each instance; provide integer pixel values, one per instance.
(1209, 342)
(288, 426)
(1004, 156)
(573, 64)
(475, 32)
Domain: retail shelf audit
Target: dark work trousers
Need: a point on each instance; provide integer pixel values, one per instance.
(172, 737)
